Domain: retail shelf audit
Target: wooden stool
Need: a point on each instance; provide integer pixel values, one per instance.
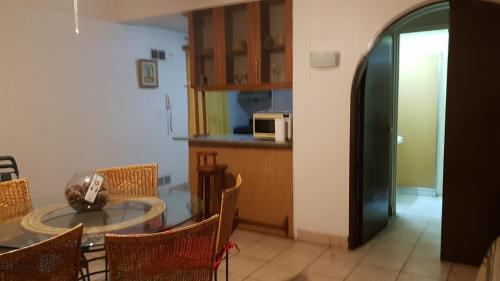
(208, 170)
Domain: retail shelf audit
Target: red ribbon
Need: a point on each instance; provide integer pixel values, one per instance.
(227, 247)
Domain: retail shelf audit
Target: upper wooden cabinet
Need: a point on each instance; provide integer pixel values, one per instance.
(242, 47)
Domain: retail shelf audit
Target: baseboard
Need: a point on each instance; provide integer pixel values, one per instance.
(417, 190)
(337, 241)
(262, 229)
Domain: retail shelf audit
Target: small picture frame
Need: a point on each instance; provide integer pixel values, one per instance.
(148, 73)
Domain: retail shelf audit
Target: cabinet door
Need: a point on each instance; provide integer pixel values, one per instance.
(254, 43)
(237, 41)
(274, 43)
(206, 48)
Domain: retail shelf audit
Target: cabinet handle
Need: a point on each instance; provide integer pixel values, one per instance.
(256, 71)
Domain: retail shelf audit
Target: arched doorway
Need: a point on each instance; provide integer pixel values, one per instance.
(374, 121)
(470, 203)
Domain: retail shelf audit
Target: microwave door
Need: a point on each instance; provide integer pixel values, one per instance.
(264, 126)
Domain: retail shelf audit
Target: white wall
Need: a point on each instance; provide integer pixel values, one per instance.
(322, 104)
(71, 102)
(130, 10)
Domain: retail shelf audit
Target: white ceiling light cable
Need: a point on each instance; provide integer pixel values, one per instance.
(77, 26)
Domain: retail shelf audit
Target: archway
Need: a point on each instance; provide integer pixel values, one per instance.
(470, 202)
(373, 122)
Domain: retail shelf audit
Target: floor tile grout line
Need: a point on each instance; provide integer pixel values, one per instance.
(449, 272)
(268, 261)
(427, 220)
(315, 259)
(422, 259)
(286, 248)
(358, 262)
(411, 251)
(254, 242)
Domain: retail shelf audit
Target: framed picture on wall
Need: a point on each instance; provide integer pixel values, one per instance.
(148, 73)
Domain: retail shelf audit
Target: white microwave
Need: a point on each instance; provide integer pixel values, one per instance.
(263, 124)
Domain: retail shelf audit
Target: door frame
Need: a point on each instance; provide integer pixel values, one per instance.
(356, 133)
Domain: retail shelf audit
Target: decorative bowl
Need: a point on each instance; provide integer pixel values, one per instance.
(77, 188)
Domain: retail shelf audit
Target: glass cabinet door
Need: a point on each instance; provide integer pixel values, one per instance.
(243, 46)
(203, 33)
(236, 26)
(273, 32)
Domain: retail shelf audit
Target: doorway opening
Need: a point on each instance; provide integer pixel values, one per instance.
(420, 119)
(397, 126)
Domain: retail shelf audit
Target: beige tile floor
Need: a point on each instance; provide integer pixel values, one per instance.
(407, 250)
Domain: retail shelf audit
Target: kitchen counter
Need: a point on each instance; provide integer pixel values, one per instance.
(237, 140)
(266, 200)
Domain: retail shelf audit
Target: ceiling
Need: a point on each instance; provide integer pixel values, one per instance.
(175, 22)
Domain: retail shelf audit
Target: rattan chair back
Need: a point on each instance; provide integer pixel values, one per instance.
(227, 211)
(132, 181)
(57, 259)
(181, 255)
(14, 198)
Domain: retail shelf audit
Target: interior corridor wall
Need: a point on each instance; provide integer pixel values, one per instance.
(421, 97)
(417, 121)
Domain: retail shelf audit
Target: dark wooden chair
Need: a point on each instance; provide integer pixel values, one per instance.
(210, 171)
(8, 168)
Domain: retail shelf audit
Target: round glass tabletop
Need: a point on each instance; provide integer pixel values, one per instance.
(120, 216)
(114, 212)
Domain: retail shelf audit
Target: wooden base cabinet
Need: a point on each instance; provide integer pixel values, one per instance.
(266, 198)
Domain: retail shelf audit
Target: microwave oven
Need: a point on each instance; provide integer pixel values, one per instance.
(263, 124)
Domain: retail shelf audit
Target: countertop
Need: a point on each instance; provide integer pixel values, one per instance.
(235, 140)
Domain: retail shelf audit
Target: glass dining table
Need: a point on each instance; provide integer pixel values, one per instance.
(121, 215)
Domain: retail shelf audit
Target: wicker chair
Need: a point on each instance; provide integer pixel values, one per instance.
(14, 198)
(183, 254)
(55, 259)
(132, 181)
(227, 211)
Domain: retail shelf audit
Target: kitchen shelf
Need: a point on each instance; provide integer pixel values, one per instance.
(233, 53)
(274, 49)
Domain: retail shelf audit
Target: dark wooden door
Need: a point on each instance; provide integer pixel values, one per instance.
(376, 115)
(471, 187)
